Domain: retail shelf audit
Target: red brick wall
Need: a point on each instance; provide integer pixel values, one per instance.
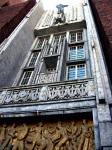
(2, 2)
(14, 2)
(102, 12)
(11, 16)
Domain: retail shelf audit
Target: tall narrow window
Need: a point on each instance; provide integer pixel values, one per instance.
(59, 38)
(26, 77)
(33, 59)
(76, 36)
(41, 42)
(76, 52)
(76, 72)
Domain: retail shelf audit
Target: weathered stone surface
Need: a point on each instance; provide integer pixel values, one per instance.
(103, 113)
(106, 133)
(17, 46)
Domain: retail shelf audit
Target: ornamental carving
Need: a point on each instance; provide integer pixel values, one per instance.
(48, 93)
(48, 136)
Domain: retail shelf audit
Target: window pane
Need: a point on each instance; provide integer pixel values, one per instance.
(40, 43)
(33, 59)
(56, 39)
(72, 54)
(79, 36)
(80, 71)
(71, 72)
(80, 52)
(62, 37)
(73, 37)
(26, 77)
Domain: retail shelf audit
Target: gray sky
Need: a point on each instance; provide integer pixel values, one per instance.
(51, 4)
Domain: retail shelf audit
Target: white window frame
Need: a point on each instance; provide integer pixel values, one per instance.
(76, 71)
(76, 35)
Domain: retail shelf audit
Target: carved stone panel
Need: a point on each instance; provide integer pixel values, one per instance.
(69, 135)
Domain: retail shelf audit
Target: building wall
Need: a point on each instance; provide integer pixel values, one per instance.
(14, 2)
(2, 2)
(16, 46)
(102, 12)
(11, 16)
(11, 2)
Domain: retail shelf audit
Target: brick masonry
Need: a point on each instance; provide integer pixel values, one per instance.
(102, 12)
(11, 16)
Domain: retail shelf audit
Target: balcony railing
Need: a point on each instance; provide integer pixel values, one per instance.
(75, 90)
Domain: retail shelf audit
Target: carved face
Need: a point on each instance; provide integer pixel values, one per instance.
(84, 121)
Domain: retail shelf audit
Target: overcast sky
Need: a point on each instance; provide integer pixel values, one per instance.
(51, 4)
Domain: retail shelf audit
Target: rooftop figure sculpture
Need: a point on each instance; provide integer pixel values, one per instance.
(60, 8)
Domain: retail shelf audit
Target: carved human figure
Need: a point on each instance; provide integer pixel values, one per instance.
(8, 141)
(36, 138)
(84, 136)
(21, 135)
(91, 140)
(2, 134)
(48, 133)
(61, 137)
(74, 130)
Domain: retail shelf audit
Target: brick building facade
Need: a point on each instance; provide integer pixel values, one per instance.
(11, 16)
(102, 12)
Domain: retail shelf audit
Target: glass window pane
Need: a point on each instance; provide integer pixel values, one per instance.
(26, 77)
(80, 52)
(72, 54)
(71, 73)
(80, 71)
(40, 43)
(73, 37)
(33, 59)
(79, 36)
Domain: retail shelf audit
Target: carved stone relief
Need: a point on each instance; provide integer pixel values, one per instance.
(71, 135)
(51, 92)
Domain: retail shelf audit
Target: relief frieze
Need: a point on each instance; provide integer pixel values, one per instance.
(71, 135)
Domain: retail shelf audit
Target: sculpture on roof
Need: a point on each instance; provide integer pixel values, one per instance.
(60, 8)
(60, 18)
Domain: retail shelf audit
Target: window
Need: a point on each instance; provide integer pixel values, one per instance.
(41, 42)
(76, 52)
(49, 70)
(26, 77)
(59, 38)
(33, 59)
(76, 72)
(75, 37)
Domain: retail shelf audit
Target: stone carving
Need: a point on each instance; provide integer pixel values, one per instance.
(51, 92)
(53, 136)
(46, 78)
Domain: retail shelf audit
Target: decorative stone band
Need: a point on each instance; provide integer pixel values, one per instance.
(83, 88)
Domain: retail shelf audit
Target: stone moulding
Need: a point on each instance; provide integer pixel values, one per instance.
(67, 90)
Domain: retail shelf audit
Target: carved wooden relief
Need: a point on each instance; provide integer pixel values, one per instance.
(48, 136)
